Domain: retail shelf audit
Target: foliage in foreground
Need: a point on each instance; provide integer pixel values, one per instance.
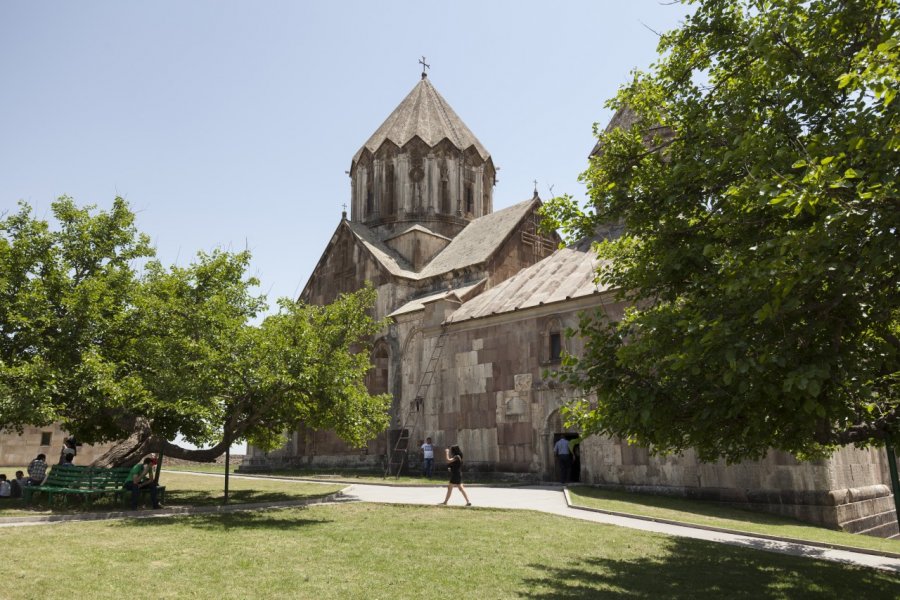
(371, 551)
(755, 178)
(111, 353)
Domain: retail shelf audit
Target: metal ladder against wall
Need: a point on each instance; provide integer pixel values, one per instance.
(410, 419)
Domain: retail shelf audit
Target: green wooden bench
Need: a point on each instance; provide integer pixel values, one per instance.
(87, 483)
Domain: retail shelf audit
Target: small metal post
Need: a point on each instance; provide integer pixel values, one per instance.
(227, 463)
(895, 481)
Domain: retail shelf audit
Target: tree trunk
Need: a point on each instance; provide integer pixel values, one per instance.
(142, 442)
(129, 451)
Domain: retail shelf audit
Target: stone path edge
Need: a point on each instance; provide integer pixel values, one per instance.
(170, 512)
(883, 553)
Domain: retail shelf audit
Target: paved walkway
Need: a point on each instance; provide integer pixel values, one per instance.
(552, 500)
(547, 499)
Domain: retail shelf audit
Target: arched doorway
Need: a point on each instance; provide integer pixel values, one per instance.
(553, 432)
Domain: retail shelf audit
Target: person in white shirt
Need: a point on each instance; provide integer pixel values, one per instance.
(5, 488)
(428, 458)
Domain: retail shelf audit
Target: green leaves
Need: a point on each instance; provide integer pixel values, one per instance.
(760, 245)
(88, 341)
(63, 295)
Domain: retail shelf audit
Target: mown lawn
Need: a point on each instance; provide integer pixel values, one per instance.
(714, 515)
(439, 478)
(183, 489)
(396, 552)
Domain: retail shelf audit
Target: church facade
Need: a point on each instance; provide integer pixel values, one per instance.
(478, 302)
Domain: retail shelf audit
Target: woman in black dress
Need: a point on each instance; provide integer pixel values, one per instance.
(454, 465)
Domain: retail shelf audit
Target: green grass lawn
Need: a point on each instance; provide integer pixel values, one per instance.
(396, 552)
(319, 474)
(439, 478)
(713, 515)
(183, 489)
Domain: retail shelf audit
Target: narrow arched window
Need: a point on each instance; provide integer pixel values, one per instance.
(389, 206)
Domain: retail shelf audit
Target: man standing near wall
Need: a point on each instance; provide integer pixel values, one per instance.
(563, 459)
(428, 458)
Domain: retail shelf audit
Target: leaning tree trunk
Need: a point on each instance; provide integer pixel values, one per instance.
(131, 450)
(142, 442)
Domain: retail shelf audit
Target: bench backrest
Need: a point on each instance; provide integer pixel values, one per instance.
(87, 478)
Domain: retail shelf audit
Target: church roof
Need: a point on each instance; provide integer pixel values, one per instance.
(566, 274)
(423, 113)
(419, 228)
(472, 246)
(624, 118)
(480, 239)
(390, 260)
(462, 293)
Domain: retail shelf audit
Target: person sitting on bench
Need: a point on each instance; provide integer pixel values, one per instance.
(141, 477)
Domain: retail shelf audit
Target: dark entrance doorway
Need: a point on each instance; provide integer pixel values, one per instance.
(575, 472)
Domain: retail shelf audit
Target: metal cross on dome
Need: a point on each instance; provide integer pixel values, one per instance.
(424, 66)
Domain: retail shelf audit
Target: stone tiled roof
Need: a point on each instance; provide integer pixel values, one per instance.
(392, 261)
(426, 114)
(566, 274)
(462, 293)
(623, 119)
(472, 246)
(479, 240)
(420, 228)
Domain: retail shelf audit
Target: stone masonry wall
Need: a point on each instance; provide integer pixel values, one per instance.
(849, 490)
(19, 450)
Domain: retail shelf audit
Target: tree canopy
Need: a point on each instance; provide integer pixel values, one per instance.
(755, 180)
(117, 352)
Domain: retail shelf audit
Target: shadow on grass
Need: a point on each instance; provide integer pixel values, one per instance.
(696, 569)
(190, 498)
(212, 498)
(266, 520)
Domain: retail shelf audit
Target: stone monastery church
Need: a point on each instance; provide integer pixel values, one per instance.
(478, 302)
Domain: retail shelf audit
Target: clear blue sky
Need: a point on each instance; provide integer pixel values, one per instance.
(231, 124)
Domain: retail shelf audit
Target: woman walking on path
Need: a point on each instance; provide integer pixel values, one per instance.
(454, 465)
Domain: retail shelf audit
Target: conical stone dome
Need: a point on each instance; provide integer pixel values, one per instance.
(422, 166)
(423, 113)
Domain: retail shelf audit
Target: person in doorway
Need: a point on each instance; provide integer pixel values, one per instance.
(563, 459)
(37, 470)
(454, 465)
(141, 477)
(427, 458)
